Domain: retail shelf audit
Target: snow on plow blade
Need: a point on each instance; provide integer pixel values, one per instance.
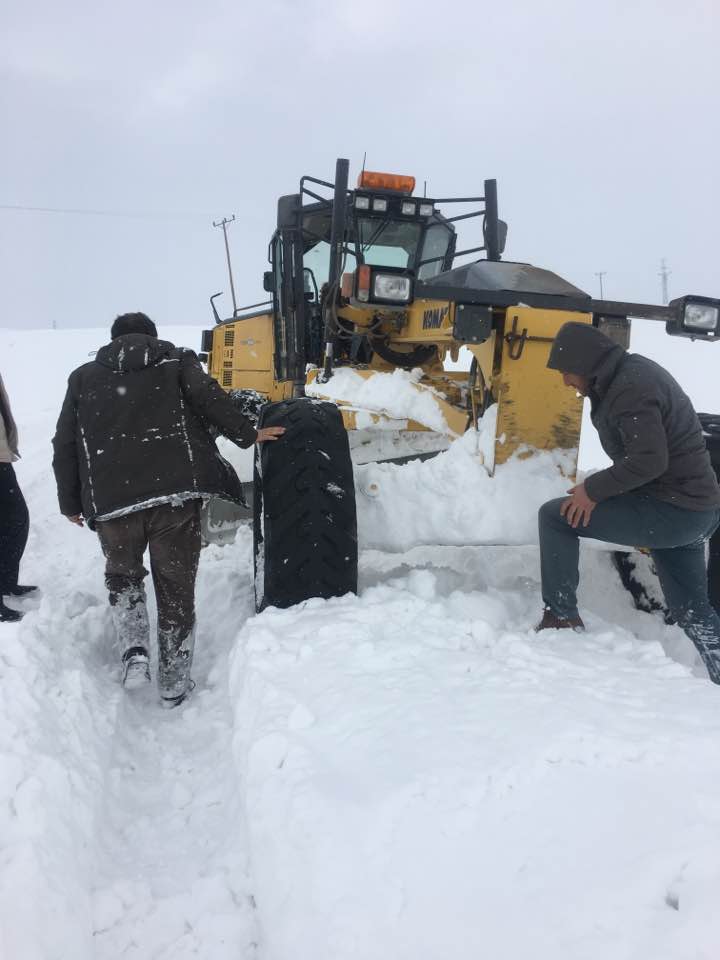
(390, 416)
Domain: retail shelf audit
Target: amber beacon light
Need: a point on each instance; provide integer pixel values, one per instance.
(371, 180)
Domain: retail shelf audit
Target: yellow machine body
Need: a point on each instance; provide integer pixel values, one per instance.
(242, 357)
(535, 410)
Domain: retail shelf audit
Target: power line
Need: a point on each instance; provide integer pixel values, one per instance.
(76, 211)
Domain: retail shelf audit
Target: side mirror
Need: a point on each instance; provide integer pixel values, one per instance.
(287, 211)
(310, 286)
(269, 281)
(502, 235)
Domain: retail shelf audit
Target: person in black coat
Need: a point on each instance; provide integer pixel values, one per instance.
(660, 492)
(134, 458)
(14, 517)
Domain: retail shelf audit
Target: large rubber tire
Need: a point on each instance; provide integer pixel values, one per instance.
(711, 428)
(305, 524)
(627, 563)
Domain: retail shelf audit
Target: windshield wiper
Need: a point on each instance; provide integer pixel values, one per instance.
(374, 237)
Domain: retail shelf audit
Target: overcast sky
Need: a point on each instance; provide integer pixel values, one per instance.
(599, 121)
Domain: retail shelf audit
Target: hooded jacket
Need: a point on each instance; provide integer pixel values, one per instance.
(8, 430)
(134, 431)
(646, 423)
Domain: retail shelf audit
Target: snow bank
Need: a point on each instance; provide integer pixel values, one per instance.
(452, 499)
(398, 395)
(425, 777)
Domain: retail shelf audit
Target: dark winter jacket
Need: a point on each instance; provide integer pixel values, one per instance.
(134, 428)
(647, 425)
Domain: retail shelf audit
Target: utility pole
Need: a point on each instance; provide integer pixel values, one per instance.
(664, 274)
(600, 274)
(224, 224)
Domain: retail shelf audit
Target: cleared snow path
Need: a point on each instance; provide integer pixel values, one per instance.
(121, 824)
(172, 880)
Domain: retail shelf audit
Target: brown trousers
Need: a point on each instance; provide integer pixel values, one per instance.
(172, 535)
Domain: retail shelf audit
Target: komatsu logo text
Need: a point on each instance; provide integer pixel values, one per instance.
(432, 319)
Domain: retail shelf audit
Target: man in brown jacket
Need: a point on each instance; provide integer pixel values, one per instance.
(134, 458)
(14, 520)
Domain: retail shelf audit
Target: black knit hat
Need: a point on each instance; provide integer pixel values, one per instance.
(579, 348)
(133, 323)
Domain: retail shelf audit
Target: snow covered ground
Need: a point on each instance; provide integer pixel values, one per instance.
(409, 774)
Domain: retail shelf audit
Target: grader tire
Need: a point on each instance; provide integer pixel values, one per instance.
(305, 526)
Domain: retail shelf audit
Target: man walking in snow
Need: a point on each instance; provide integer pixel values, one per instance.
(133, 457)
(660, 492)
(14, 520)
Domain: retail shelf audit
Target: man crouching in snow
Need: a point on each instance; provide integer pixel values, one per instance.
(134, 458)
(660, 492)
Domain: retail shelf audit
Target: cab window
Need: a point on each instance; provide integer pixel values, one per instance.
(437, 243)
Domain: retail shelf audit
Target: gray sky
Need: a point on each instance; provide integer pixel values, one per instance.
(599, 121)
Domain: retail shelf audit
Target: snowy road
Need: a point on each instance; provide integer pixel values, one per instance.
(410, 773)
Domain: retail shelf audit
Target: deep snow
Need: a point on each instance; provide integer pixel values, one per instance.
(410, 773)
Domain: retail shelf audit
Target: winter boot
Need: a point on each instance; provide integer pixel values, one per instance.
(136, 668)
(129, 616)
(8, 615)
(19, 590)
(169, 702)
(175, 656)
(551, 621)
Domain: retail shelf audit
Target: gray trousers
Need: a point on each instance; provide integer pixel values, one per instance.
(676, 538)
(172, 535)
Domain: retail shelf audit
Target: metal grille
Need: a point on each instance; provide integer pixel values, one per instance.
(227, 378)
(229, 336)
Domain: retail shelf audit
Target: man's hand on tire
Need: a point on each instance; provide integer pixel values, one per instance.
(77, 519)
(269, 433)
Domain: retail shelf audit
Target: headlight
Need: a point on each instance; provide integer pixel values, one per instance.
(695, 317)
(700, 316)
(426, 209)
(380, 204)
(408, 208)
(387, 286)
(362, 203)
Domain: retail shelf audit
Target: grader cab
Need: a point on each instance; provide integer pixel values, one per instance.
(370, 298)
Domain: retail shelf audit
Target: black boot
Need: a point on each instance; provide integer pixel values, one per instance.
(550, 621)
(19, 590)
(7, 615)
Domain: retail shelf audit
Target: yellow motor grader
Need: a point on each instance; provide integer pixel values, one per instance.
(365, 284)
